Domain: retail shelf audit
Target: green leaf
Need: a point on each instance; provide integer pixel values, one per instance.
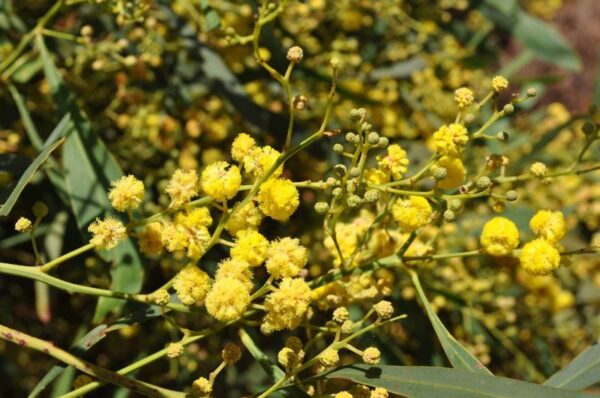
(89, 169)
(459, 356)
(50, 145)
(435, 382)
(274, 371)
(582, 372)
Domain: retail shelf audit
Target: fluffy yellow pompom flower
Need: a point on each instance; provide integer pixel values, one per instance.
(23, 224)
(127, 193)
(412, 212)
(196, 218)
(463, 97)
(235, 268)
(202, 386)
(278, 198)
(539, 169)
(150, 239)
(539, 257)
(549, 225)
(329, 358)
(395, 162)
(260, 160)
(456, 172)
(286, 306)
(286, 257)
(247, 217)
(174, 350)
(499, 237)
(242, 146)
(499, 84)
(379, 393)
(343, 394)
(251, 247)
(221, 181)
(186, 233)
(371, 355)
(192, 285)
(182, 187)
(450, 140)
(107, 233)
(227, 300)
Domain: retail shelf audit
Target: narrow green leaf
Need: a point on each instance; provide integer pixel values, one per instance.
(458, 355)
(582, 372)
(274, 371)
(90, 168)
(435, 382)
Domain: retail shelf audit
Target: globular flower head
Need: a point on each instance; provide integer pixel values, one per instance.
(451, 139)
(499, 83)
(242, 146)
(341, 314)
(177, 237)
(499, 237)
(126, 193)
(329, 358)
(221, 181)
(295, 54)
(202, 386)
(227, 300)
(539, 257)
(192, 285)
(343, 394)
(463, 97)
(379, 393)
(278, 198)
(23, 225)
(247, 217)
(395, 162)
(260, 160)
(251, 247)
(196, 218)
(174, 350)
(549, 225)
(182, 187)
(286, 306)
(235, 268)
(455, 172)
(412, 212)
(288, 358)
(539, 169)
(107, 233)
(161, 297)
(150, 239)
(384, 309)
(285, 258)
(371, 355)
(231, 353)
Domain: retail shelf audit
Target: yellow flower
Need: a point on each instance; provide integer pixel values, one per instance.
(450, 140)
(329, 358)
(278, 198)
(174, 350)
(127, 193)
(538, 169)
(23, 225)
(227, 300)
(187, 233)
(242, 146)
(376, 176)
(463, 97)
(235, 268)
(379, 393)
(221, 181)
(499, 237)
(247, 217)
(343, 394)
(549, 225)
(196, 218)
(371, 355)
(539, 257)
(182, 187)
(202, 386)
(260, 160)
(395, 162)
(107, 233)
(150, 239)
(456, 172)
(286, 306)
(286, 258)
(411, 213)
(251, 247)
(499, 84)
(191, 285)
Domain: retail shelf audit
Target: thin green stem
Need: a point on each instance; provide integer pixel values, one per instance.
(59, 260)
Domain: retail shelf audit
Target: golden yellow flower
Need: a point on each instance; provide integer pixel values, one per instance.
(221, 181)
(411, 213)
(247, 217)
(182, 187)
(499, 237)
(23, 225)
(251, 247)
(235, 268)
(463, 97)
(192, 285)
(450, 140)
(286, 306)
(278, 198)
(285, 258)
(456, 172)
(549, 225)
(242, 146)
(126, 193)
(227, 300)
(107, 233)
(150, 239)
(395, 162)
(499, 84)
(539, 257)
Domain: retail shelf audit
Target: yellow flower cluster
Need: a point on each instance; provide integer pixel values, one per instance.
(182, 187)
(285, 258)
(278, 198)
(395, 162)
(107, 233)
(247, 217)
(23, 224)
(191, 285)
(150, 240)
(549, 225)
(227, 300)
(251, 247)
(450, 140)
(255, 160)
(499, 237)
(235, 268)
(221, 181)
(189, 232)
(348, 235)
(126, 193)
(540, 256)
(286, 306)
(463, 97)
(455, 172)
(412, 213)
(499, 84)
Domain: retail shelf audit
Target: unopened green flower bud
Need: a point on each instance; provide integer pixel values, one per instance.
(509, 109)
(455, 204)
(373, 138)
(351, 137)
(338, 148)
(502, 136)
(335, 62)
(40, 209)
(449, 215)
(439, 173)
(531, 92)
(383, 142)
(339, 169)
(337, 192)
(354, 200)
(358, 113)
(372, 195)
(483, 182)
(354, 172)
(512, 195)
(367, 126)
(321, 207)
(469, 118)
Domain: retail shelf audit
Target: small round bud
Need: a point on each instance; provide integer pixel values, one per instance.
(502, 136)
(483, 182)
(371, 356)
(40, 209)
(295, 54)
(340, 169)
(337, 192)
(469, 118)
(294, 343)
(338, 148)
(354, 172)
(174, 350)
(23, 225)
(531, 92)
(373, 138)
(231, 353)
(455, 204)
(354, 200)
(383, 142)
(160, 297)
(335, 62)
(509, 109)
(357, 114)
(367, 126)
(202, 386)
(86, 31)
(348, 327)
(538, 169)
(439, 173)
(351, 185)
(341, 314)
(384, 309)
(372, 195)
(449, 216)
(588, 128)
(322, 207)
(350, 137)
(512, 195)
(288, 358)
(300, 102)
(329, 358)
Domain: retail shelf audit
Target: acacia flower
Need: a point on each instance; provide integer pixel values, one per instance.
(107, 233)
(251, 247)
(395, 162)
(23, 224)
(539, 257)
(221, 181)
(412, 212)
(549, 225)
(278, 198)
(182, 187)
(227, 300)
(499, 83)
(450, 139)
(285, 258)
(463, 97)
(192, 285)
(126, 193)
(285, 307)
(499, 237)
